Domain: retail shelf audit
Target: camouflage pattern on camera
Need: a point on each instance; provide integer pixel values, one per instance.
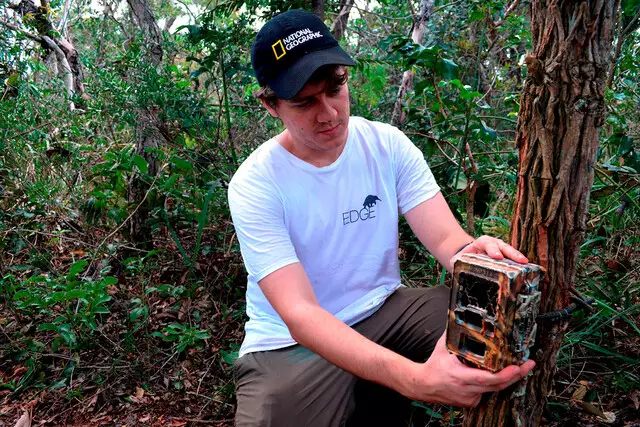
(492, 311)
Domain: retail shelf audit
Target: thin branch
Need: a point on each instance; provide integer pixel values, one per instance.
(629, 27)
(508, 12)
(439, 8)
(188, 10)
(20, 30)
(622, 38)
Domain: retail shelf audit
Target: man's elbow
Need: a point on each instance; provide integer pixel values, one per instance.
(299, 320)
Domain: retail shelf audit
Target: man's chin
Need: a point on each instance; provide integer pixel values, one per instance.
(335, 132)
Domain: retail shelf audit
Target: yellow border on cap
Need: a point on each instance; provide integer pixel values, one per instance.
(273, 46)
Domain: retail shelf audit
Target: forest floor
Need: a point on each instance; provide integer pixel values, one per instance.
(125, 376)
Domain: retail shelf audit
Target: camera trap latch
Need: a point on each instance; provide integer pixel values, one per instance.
(493, 310)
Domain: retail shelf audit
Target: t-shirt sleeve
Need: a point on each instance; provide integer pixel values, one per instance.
(414, 181)
(258, 217)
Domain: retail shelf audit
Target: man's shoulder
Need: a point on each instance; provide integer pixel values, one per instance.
(378, 136)
(257, 164)
(362, 124)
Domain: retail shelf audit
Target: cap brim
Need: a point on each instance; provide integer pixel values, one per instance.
(289, 83)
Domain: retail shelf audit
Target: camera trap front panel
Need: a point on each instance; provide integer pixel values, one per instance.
(492, 311)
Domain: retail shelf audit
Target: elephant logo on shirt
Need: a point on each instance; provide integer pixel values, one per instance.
(370, 201)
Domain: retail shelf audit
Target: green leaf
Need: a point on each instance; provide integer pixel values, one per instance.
(447, 68)
(101, 299)
(100, 309)
(78, 267)
(461, 184)
(109, 280)
(21, 295)
(141, 163)
(490, 132)
(229, 357)
(427, 409)
(136, 313)
(76, 293)
(47, 327)
(61, 383)
(68, 337)
(57, 297)
(421, 86)
(181, 163)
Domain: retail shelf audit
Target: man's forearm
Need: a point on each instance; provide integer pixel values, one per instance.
(320, 331)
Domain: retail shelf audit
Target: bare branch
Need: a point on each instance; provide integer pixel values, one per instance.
(66, 73)
(508, 12)
(20, 30)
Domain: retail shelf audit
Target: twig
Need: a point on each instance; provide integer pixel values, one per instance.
(399, 18)
(508, 12)
(439, 8)
(435, 87)
(230, 244)
(435, 139)
(20, 30)
(212, 399)
(213, 359)
(196, 420)
(255, 107)
(174, 354)
(146, 194)
(28, 131)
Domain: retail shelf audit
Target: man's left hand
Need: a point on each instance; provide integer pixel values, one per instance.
(495, 248)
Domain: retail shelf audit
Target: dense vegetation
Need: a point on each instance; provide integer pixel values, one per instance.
(101, 326)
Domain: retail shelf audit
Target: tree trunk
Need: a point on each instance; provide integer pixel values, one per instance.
(143, 18)
(317, 7)
(561, 109)
(340, 23)
(148, 133)
(67, 60)
(417, 35)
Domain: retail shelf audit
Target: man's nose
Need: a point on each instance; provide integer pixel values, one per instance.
(326, 111)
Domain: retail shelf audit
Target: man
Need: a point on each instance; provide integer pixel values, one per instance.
(333, 338)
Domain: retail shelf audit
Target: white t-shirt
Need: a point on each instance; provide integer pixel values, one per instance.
(340, 222)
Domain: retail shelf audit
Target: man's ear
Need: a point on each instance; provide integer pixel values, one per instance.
(270, 108)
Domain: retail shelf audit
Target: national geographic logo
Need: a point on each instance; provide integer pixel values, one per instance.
(281, 47)
(367, 212)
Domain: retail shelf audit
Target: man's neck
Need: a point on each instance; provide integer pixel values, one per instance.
(317, 158)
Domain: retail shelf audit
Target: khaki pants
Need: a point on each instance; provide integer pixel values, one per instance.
(294, 387)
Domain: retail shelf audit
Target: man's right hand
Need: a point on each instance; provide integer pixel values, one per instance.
(444, 379)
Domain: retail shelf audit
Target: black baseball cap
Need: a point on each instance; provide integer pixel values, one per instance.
(290, 48)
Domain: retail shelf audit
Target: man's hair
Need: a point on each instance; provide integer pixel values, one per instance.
(334, 75)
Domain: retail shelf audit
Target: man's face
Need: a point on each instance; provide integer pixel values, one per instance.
(316, 119)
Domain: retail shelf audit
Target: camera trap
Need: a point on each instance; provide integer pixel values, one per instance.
(492, 311)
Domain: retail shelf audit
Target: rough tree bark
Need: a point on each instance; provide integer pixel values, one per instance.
(144, 19)
(417, 35)
(66, 56)
(561, 109)
(148, 129)
(340, 23)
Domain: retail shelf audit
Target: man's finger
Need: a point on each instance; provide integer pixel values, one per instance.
(512, 253)
(492, 249)
(508, 375)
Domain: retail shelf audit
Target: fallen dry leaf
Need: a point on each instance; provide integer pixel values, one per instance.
(609, 417)
(635, 398)
(590, 408)
(579, 393)
(25, 420)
